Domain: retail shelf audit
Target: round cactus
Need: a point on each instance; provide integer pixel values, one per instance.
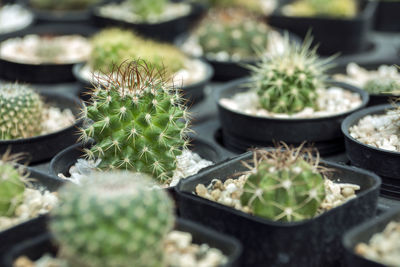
(139, 123)
(286, 81)
(21, 112)
(382, 85)
(284, 186)
(115, 219)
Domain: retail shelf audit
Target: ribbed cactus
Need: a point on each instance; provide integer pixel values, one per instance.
(21, 112)
(62, 4)
(139, 123)
(382, 85)
(147, 8)
(11, 186)
(334, 8)
(284, 186)
(115, 219)
(286, 81)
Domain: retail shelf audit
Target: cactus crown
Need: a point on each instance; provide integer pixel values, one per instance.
(21, 112)
(139, 123)
(286, 81)
(285, 184)
(115, 220)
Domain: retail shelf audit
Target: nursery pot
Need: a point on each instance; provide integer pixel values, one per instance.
(385, 163)
(387, 16)
(362, 234)
(344, 35)
(43, 147)
(36, 247)
(242, 131)
(47, 72)
(313, 242)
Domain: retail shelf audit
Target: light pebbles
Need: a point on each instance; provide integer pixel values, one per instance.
(229, 192)
(383, 247)
(188, 163)
(380, 131)
(56, 119)
(331, 101)
(13, 18)
(179, 252)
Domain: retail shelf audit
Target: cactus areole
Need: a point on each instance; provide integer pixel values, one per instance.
(139, 123)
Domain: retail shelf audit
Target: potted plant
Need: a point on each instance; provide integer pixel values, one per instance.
(38, 125)
(338, 26)
(281, 204)
(375, 242)
(288, 98)
(386, 18)
(14, 17)
(140, 233)
(114, 46)
(159, 19)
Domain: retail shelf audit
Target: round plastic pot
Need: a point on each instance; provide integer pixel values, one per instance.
(163, 31)
(345, 35)
(314, 242)
(43, 147)
(387, 16)
(242, 131)
(374, 99)
(32, 227)
(362, 234)
(382, 162)
(48, 72)
(36, 247)
(192, 92)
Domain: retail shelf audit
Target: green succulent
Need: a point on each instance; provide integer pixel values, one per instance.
(284, 186)
(332, 8)
(63, 4)
(21, 112)
(115, 219)
(382, 85)
(146, 8)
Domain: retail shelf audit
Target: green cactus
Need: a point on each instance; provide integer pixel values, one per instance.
(114, 220)
(139, 123)
(382, 85)
(333, 8)
(62, 4)
(284, 186)
(146, 8)
(12, 186)
(21, 112)
(286, 82)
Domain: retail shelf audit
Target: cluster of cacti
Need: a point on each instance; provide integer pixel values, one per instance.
(21, 111)
(284, 185)
(114, 46)
(62, 4)
(139, 123)
(147, 8)
(382, 85)
(12, 186)
(114, 219)
(287, 81)
(234, 33)
(333, 8)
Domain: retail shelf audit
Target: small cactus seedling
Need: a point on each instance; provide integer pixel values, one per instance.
(139, 123)
(287, 81)
(115, 219)
(382, 85)
(284, 185)
(21, 112)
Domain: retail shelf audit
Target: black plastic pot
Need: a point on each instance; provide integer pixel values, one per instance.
(36, 247)
(43, 73)
(387, 16)
(383, 162)
(192, 92)
(314, 242)
(241, 131)
(346, 35)
(43, 147)
(363, 233)
(164, 31)
(33, 227)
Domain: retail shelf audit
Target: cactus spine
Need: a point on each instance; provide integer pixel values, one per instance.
(139, 123)
(284, 185)
(21, 112)
(115, 220)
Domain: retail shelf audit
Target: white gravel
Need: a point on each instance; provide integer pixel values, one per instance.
(331, 101)
(57, 119)
(380, 131)
(13, 18)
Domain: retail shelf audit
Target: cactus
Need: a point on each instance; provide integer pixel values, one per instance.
(21, 112)
(254, 6)
(286, 82)
(311, 8)
(12, 185)
(146, 8)
(138, 123)
(114, 220)
(62, 4)
(284, 185)
(382, 85)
